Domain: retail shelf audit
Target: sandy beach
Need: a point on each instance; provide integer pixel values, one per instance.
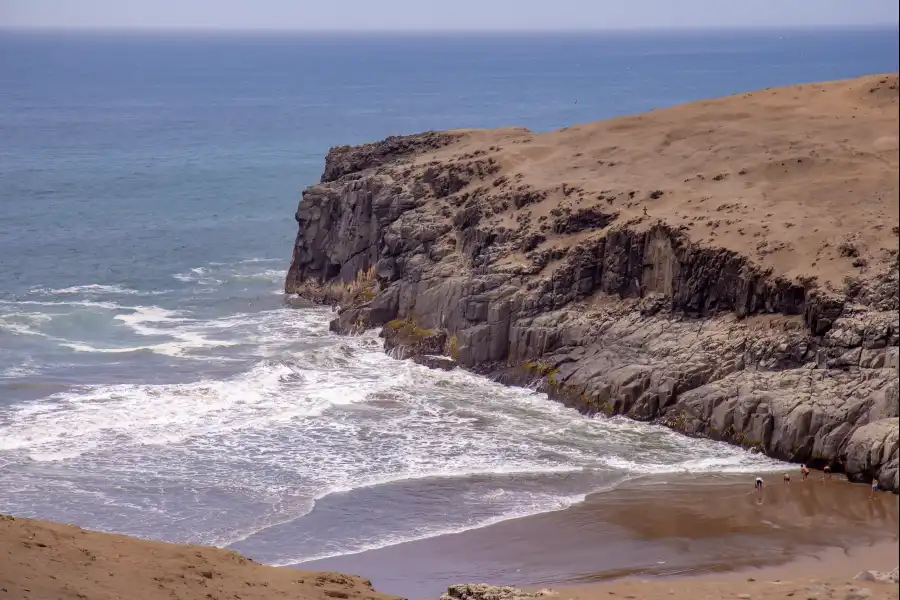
(829, 574)
(657, 527)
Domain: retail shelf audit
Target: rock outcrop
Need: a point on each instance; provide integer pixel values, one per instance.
(481, 591)
(892, 576)
(710, 267)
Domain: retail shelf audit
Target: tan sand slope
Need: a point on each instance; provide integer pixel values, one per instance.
(46, 561)
(802, 179)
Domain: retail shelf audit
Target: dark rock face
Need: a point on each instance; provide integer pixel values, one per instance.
(346, 160)
(627, 318)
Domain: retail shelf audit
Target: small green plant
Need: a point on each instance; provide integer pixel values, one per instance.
(396, 324)
(540, 368)
(409, 329)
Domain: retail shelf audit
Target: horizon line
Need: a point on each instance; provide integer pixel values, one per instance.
(178, 29)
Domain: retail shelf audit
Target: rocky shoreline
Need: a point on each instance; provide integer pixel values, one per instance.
(649, 266)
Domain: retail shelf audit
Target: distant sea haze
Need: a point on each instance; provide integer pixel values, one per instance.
(152, 381)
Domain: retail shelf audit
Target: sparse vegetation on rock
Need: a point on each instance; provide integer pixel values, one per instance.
(358, 290)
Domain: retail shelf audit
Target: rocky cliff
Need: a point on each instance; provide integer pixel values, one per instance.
(728, 267)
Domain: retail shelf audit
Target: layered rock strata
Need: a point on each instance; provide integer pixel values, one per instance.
(727, 268)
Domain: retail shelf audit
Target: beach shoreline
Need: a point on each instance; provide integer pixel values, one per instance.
(673, 536)
(656, 526)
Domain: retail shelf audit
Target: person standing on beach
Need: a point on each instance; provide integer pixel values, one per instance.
(787, 477)
(874, 489)
(759, 484)
(826, 473)
(804, 472)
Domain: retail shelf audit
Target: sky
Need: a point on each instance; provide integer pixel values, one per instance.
(422, 15)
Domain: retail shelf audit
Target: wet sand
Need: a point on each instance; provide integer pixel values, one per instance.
(828, 574)
(676, 525)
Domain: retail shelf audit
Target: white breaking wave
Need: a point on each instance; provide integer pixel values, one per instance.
(183, 334)
(647, 450)
(421, 418)
(24, 323)
(534, 505)
(61, 303)
(95, 289)
(91, 288)
(26, 368)
(247, 271)
(156, 321)
(557, 504)
(409, 421)
(724, 464)
(69, 424)
(198, 275)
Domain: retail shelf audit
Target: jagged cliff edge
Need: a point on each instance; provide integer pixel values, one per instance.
(621, 316)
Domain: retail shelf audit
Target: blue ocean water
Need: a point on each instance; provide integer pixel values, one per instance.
(151, 379)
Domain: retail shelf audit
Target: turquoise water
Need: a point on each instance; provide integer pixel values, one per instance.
(151, 379)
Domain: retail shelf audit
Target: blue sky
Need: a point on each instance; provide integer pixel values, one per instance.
(418, 15)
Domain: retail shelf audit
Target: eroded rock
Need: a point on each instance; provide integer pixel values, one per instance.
(481, 591)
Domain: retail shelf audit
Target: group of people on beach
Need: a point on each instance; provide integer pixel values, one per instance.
(804, 475)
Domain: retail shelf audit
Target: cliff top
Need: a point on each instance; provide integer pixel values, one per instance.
(803, 180)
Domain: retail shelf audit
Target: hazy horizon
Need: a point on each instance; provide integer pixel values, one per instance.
(424, 32)
(463, 16)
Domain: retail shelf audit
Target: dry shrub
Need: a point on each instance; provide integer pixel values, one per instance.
(357, 291)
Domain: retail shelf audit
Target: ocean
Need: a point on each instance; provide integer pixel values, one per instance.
(153, 381)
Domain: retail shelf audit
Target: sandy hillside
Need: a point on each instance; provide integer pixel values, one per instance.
(49, 561)
(802, 179)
